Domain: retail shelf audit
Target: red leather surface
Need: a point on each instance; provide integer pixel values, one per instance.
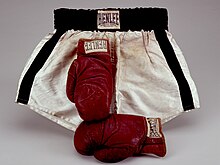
(117, 138)
(90, 83)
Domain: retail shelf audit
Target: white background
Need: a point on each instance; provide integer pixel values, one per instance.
(28, 138)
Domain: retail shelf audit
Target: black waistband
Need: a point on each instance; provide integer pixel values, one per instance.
(134, 19)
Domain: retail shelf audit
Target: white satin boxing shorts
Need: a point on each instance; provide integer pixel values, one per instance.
(151, 75)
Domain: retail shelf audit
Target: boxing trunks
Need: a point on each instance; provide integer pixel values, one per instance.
(150, 75)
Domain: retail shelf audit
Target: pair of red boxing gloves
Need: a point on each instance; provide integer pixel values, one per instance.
(109, 137)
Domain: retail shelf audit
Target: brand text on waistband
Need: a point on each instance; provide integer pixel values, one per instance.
(108, 19)
(95, 46)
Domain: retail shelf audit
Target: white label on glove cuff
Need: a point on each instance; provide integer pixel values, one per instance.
(95, 46)
(108, 19)
(153, 128)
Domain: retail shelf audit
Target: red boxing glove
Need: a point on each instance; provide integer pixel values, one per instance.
(90, 81)
(119, 137)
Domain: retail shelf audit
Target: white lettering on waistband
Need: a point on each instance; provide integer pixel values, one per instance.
(108, 19)
(95, 46)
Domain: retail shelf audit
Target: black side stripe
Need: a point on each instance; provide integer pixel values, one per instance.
(167, 49)
(42, 56)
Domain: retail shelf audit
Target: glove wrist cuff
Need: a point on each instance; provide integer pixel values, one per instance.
(155, 141)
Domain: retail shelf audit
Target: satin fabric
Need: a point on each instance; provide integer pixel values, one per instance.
(144, 83)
